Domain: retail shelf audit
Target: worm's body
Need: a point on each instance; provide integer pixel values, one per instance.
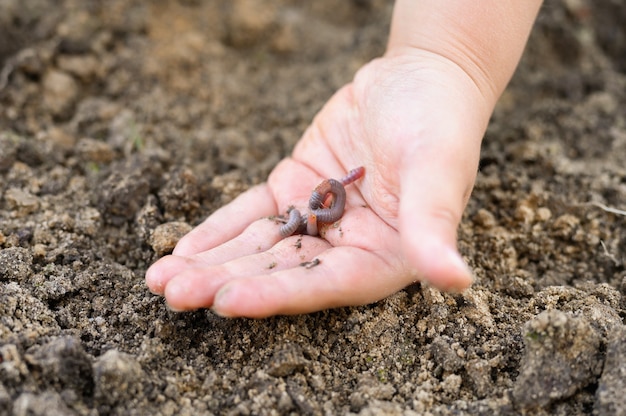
(326, 205)
(353, 175)
(338, 203)
(292, 225)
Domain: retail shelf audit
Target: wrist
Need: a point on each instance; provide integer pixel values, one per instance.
(484, 39)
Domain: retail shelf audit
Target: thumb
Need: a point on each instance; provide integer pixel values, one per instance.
(436, 183)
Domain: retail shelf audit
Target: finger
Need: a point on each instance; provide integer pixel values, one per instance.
(258, 237)
(228, 221)
(195, 287)
(162, 271)
(435, 189)
(344, 276)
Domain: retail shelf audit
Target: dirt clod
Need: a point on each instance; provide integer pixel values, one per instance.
(554, 340)
(118, 378)
(165, 236)
(610, 394)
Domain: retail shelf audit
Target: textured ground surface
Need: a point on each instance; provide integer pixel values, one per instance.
(118, 117)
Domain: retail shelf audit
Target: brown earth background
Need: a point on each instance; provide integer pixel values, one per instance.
(124, 123)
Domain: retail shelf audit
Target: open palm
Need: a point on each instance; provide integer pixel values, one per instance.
(415, 122)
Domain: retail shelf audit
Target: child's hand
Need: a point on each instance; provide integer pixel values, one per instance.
(415, 121)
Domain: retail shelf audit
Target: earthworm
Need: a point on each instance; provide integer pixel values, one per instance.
(311, 224)
(292, 223)
(352, 176)
(326, 205)
(338, 204)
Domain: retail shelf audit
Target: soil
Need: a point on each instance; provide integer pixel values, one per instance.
(125, 123)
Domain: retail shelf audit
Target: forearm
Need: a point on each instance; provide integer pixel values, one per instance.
(484, 38)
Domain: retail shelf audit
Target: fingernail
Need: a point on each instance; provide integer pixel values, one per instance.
(172, 290)
(154, 283)
(175, 291)
(222, 299)
(156, 288)
(455, 258)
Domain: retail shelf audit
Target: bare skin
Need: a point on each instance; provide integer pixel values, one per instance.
(414, 119)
